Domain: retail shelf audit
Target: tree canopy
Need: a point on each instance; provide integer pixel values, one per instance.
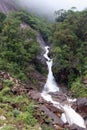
(69, 41)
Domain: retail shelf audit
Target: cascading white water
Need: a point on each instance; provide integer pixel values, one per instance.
(69, 114)
(50, 85)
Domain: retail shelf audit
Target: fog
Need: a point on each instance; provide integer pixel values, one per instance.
(48, 7)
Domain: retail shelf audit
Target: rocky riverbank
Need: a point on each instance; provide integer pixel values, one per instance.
(45, 112)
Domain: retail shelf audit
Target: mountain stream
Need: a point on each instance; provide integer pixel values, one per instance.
(51, 86)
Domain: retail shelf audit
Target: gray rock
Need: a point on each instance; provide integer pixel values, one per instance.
(54, 118)
(82, 105)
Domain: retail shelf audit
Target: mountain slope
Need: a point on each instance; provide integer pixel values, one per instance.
(7, 5)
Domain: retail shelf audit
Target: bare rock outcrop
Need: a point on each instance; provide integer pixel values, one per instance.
(8, 5)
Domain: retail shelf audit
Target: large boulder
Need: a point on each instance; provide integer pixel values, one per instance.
(34, 94)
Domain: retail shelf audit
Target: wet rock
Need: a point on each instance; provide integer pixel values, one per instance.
(82, 105)
(54, 119)
(40, 57)
(75, 127)
(59, 97)
(57, 127)
(55, 110)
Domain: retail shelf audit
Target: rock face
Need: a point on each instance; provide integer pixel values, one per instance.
(42, 46)
(7, 5)
(82, 105)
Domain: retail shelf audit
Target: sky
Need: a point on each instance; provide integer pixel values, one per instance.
(50, 6)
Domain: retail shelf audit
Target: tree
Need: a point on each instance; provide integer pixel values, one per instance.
(69, 43)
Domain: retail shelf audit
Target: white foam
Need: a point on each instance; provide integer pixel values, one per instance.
(71, 100)
(50, 85)
(46, 54)
(73, 117)
(63, 117)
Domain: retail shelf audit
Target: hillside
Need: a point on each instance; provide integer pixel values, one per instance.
(7, 5)
(23, 69)
(69, 41)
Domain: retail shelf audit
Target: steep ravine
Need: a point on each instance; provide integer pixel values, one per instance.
(69, 114)
(52, 93)
(45, 112)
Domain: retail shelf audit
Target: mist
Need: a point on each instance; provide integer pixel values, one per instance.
(48, 7)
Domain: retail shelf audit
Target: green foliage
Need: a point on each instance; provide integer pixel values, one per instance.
(69, 42)
(7, 83)
(2, 18)
(16, 113)
(5, 90)
(8, 127)
(18, 99)
(18, 47)
(62, 14)
(1, 97)
(27, 116)
(78, 88)
(46, 127)
(17, 109)
(37, 23)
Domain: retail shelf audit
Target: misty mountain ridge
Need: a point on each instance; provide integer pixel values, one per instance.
(8, 5)
(13, 5)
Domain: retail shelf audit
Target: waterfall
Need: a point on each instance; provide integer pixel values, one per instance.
(50, 85)
(69, 114)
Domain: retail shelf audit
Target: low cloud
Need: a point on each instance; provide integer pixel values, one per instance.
(48, 7)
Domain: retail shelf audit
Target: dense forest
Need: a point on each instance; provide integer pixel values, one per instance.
(67, 38)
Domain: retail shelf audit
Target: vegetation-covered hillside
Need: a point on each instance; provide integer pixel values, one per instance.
(69, 41)
(18, 47)
(68, 37)
(18, 56)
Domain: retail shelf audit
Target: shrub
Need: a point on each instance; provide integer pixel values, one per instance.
(45, 127)
(78, 88)
(7, 83)
(28, 116)
(8, 127)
